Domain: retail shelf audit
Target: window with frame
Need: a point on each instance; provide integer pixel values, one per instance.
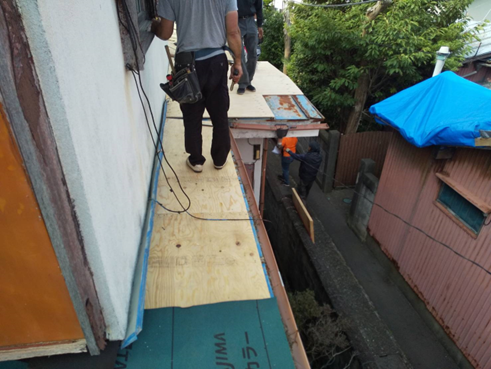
(135, 17)
(146, 10)
(462, 209)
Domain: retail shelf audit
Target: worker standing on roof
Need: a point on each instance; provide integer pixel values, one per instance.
(310, 163)
(288, 145)
(203, 28)
(248, 10)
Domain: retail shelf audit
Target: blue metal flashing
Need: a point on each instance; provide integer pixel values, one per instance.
(307, 107)
(137, 302)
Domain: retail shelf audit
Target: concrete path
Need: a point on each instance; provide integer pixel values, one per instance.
(420, 344)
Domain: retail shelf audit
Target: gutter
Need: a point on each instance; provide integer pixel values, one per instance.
(267, 127)
(294, 340)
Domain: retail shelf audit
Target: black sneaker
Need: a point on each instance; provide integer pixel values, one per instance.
(251, 88)
(241, 90)
(218, 167)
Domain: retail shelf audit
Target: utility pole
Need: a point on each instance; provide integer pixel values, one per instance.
(361, 91)
(288, 40)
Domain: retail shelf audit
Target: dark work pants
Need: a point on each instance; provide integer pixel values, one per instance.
(212, 75)
(248, 31)
(303, 188)
(285, 166)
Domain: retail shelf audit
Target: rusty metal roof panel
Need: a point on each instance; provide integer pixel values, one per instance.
(292, 108)
(308, 107)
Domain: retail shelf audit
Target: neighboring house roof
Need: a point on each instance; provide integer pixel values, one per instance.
(480, 10)
(444, 110)
(480, 49)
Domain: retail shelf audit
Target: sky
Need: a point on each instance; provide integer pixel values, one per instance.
(278, 4)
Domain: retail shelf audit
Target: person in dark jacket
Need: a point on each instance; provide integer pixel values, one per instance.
(250, 31)
(310, 164)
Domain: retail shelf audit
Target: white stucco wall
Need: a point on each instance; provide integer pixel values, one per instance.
(98, 122)
(247, 154)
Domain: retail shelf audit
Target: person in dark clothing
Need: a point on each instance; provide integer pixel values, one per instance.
(203, 28)
(249, 30)
(310, 164)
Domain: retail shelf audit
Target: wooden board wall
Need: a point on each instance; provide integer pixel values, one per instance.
(196, 262)
(35, 305)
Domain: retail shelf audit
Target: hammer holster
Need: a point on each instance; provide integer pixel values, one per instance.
(184, 85)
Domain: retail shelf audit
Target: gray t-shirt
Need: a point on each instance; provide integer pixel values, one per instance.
(200, 23)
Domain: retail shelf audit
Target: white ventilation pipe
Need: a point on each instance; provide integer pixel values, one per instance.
(441, 56)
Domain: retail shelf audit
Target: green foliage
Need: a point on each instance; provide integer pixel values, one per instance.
(397, 50)
(322, 331)
(272, 48)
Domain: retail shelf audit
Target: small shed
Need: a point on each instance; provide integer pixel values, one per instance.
(436, 188)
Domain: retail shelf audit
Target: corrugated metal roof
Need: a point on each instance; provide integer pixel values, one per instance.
(482, 47)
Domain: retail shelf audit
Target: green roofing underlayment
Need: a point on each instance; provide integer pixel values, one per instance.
(230, 335)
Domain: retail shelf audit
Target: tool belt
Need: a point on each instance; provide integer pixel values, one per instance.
(183, 83)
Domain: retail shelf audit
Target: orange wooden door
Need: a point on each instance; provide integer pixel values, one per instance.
(35, 306)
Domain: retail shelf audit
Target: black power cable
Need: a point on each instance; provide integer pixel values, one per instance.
(134, 42)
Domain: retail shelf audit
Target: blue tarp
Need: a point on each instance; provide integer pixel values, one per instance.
(444, 110)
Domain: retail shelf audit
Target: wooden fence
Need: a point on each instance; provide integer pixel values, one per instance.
(356, 146)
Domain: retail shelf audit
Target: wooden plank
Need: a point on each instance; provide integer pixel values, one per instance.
(196, 262)
(249, 105)
(24, 105)
(304, 214)
(268, 81)
(482, 142)
(59, 348)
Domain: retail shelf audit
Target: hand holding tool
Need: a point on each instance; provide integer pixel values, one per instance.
(236, 73)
